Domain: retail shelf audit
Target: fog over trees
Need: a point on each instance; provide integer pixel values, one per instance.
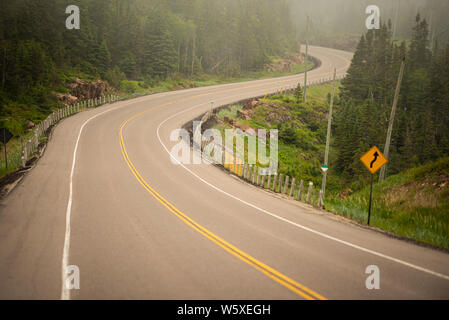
(337, 19)
(141, 40)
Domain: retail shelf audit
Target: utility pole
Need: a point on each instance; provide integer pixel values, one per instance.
(395, 20)
(4, 69)
(328, 137)
(390, 124)
(305, 60)
(305, 73)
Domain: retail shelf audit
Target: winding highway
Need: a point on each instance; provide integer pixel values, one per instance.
(106, 198)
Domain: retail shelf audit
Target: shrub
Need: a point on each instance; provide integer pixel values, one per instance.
(129, 86)
(114, 77)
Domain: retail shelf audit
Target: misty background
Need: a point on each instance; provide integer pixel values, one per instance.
(341, 22)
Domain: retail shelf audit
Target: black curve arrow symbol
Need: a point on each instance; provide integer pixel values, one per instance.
(375, 158)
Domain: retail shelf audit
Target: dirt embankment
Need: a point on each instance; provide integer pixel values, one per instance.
(80, 90)
(285, 65)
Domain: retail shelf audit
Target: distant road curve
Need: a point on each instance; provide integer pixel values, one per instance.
(141, 227)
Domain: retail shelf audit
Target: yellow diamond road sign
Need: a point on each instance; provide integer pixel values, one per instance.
(373, 160)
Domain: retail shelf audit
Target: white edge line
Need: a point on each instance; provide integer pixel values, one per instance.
(437, 274)
(65, 293)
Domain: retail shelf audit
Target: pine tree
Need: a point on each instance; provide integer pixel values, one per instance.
(298, 93)
(160, 55)
(103, 58)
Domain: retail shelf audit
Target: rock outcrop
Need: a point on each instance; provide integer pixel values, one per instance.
(250, 104)
(29, 124)
(243, 114)
(286, 64)
(80, 90)
(67, 98)
(83, 89)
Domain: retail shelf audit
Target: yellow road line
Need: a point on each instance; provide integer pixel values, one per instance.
(272, 273)
(282, 279)
(265, 269)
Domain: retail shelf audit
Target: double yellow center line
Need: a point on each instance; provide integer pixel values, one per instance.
(287, 282)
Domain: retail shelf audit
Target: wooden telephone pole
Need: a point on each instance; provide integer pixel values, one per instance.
(390, 124)
(305, 60)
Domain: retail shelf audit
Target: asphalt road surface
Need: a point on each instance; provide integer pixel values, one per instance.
(139, 227)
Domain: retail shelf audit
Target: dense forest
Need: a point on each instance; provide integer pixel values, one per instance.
(145, 40)
(421, 127)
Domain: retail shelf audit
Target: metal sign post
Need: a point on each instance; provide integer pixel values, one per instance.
(370, 198)
(373, 161)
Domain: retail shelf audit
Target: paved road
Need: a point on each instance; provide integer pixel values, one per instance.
(141, 227)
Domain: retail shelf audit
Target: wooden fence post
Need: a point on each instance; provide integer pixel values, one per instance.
(280, 183)
(301, 186)
(286, 184)
(292, 188)
(309, 192)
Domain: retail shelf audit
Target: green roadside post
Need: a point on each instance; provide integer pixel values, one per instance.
(328, 138)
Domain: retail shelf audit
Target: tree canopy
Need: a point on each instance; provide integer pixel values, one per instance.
(420, 131)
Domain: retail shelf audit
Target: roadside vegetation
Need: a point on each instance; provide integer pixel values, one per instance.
(414, 203)
(414, 200)
(15, 116)
(178, 81)
(302, 130)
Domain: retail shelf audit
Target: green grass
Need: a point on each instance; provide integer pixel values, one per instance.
(230, 112)
(303, 158)
(414, 204)
(14, 153)
(202, 80)
(178, 81)
(321, 92)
